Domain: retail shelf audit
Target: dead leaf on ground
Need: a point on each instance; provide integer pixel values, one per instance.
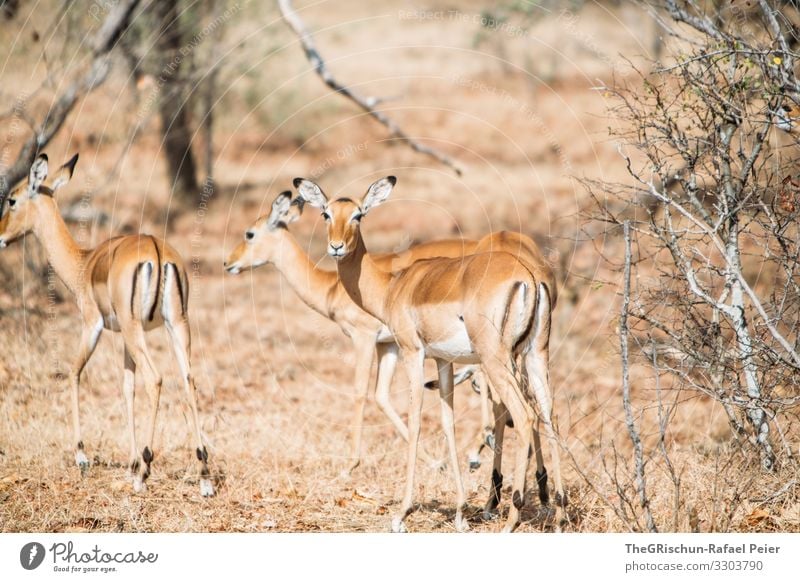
(756, 517)
(358, 497)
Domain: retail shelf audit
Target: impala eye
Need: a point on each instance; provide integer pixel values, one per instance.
(249, 235)
(326, 216)
(11, 202)
(356, 217)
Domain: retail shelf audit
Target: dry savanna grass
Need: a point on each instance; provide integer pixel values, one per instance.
(274, 378)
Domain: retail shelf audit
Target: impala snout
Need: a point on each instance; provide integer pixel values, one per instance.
(232, 268)
(336, 249)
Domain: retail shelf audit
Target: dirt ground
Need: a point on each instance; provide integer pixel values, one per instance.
(525, 120)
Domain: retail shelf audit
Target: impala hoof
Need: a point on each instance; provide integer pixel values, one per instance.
(82, 462)
(206, 488)
(440, 466)
(139, 486)
(474, 462)
(491, 442)
(461, 524)
(398, 526)
(489, 515)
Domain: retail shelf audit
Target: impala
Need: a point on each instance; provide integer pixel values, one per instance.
(268, 240)
(130, 284)
(488, 308)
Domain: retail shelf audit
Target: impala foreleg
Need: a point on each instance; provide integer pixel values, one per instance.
(486, 435)
(448, 425)
(365, 354)
(387, 363)
(89, 338)
(413, 361)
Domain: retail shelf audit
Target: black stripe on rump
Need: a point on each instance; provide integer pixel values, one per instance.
(179, 282)
(133, 288)
(158, 280)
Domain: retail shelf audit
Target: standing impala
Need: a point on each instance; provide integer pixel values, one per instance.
(488, 308)
(268, 240)
(129, 284)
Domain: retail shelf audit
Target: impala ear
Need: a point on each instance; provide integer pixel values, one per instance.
(64, 174)
(296, 210)
(280, 210)
(38, 175)
(310, 192)
(377, 193)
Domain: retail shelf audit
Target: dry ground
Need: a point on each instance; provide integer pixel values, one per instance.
(275, 378)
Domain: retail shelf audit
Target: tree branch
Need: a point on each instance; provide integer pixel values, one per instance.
(103, 42)
(368, 104)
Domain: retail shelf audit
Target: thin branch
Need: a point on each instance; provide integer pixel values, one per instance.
(368, 104)
(641, 486)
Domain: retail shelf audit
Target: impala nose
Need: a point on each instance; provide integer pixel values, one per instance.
(336, 248)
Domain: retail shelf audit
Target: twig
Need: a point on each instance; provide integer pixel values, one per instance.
(641, 486)
(368, 104)
(779, 493)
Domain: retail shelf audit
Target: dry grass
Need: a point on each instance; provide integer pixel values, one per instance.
(275, 396)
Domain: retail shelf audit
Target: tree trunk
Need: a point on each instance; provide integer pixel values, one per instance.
(177, 134)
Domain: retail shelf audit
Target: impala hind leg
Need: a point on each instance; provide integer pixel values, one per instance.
(133, 334)
(128, 390)
(500, 418)
(181, 343)
(537, 366)
(541, 471)
(503, 380)
(89, 338)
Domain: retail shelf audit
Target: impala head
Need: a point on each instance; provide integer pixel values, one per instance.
(343, 215)
(263, 237)
(21, 208)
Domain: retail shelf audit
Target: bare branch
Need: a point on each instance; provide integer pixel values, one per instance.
(369, 103)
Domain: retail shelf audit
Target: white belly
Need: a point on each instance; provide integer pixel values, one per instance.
(455, 348)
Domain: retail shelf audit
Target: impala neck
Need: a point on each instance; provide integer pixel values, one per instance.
(365, 282)
(63, 253)
(306, 279)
